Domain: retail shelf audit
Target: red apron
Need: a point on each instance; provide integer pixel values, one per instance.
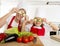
(9, 25)
(37, 31)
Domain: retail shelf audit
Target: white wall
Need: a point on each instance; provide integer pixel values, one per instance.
(53, 0)
(51, 12)
(7, 5)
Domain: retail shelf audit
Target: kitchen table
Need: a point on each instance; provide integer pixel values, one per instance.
(38, 43)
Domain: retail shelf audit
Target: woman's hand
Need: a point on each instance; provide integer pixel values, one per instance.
(14, 10)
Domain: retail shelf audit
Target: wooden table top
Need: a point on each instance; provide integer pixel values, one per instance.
(38, 43)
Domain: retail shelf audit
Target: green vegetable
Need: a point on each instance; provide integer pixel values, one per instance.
(20, 34)
(13, 30)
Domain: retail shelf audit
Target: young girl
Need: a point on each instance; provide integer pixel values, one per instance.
(35, 26)
(38, 27)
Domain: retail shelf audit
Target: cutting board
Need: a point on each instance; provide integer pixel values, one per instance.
(55, 37)
(38, 43)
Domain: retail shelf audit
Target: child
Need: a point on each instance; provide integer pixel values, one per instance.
(38, 27)
(35, 26)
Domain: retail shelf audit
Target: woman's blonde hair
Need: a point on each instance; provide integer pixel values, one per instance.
(23, 10)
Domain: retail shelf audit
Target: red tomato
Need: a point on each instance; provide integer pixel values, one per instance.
(19, 39)
(1, 39)
(31, 38)
(25, 40)
(2, 36)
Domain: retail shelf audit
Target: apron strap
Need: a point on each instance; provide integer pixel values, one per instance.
(9, 25)
(19, 27)
(11, 20)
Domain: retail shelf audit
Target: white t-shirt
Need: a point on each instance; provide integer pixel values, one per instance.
(14, 24)
(28, 27)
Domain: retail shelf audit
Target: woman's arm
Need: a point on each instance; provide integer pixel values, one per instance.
(4, 18)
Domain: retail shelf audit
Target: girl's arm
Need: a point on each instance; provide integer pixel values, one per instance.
(52, 25)
(24, 23)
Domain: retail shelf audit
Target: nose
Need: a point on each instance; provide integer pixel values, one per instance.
(38, 22)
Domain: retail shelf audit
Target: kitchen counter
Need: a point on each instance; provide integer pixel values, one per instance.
(55, 37)
(47, 41)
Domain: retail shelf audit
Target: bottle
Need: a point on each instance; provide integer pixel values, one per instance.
(59, 30)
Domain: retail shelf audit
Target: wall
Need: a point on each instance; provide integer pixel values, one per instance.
(48, 11)
(51, 12)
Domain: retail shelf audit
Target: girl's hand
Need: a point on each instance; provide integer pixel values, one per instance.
(26, 18)
(45, 20)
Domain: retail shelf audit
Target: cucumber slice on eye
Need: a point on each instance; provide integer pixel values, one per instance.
(20, 12)
(35, 19)
(40, 20)
(24, 14)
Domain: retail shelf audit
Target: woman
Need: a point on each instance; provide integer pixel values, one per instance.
(14, 20)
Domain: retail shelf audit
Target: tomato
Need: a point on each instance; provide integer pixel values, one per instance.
(1, 39)
(31, 38)
(2, 36)
(19, 39)
(25, 40)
